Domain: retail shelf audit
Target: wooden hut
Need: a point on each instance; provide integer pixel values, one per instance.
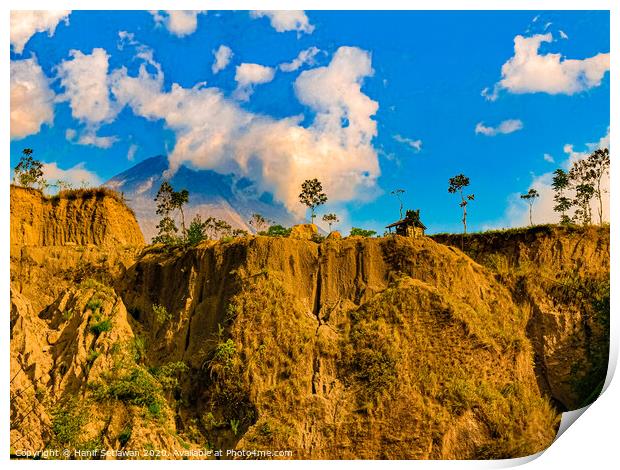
(410, 226)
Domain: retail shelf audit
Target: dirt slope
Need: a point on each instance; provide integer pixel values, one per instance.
(352, 348)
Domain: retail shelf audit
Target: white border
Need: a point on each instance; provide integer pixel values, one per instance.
(591, 443)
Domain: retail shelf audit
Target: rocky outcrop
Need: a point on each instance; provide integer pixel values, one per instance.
(561, 275)
(304, 231)
(346, 348)
(79, 217)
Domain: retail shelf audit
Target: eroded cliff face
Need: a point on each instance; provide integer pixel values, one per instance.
(560, 274)
(352, 348)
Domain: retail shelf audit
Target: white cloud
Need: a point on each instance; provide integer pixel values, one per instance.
(304, 57)
(76, 176)
(32, 100)
(213, 132)
(85, 80)
(91, 138)
(248, 76)
(529, 72)
(286, 20)
(178, 22)
(414, 144)
(131, 152)
(24, 24)
(222, 58)
(563, 35)
(70, 134)
(548, 158)
(517, 211)
(505, 127)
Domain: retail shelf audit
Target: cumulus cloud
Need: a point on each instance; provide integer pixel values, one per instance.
(248, 76)
(24, 24)
(304, 57)
(85, 80)
(286, 20)
(32, 100)
(223, 54)
(517, 212)
(505, 127)
(530, 72)
(76, 176)
(414, 144)
(178, 22)
(214, 132)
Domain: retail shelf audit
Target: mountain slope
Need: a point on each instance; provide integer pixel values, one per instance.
(211, 195)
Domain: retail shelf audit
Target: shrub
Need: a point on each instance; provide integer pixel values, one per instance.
(138, 387)
(94, 304)
(277, 231)
(67, 423)
(125, 435)
(100, 324)
(360, 232)
(161, 313)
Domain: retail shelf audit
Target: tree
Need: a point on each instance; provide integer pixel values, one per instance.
(196, 231)
(398, 193)
(167, 231)
(529, 197)
(312, 195)
(598, 165)
(278, 231)
(330, 219)
(581, 180)
(259, 223)
(360, 232)
(560, 183)
(29, 172)
(457, 184)
(168, 201)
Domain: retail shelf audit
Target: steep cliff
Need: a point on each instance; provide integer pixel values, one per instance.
(560, 274)
(349, 348)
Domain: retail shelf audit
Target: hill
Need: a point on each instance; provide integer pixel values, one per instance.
(354, 348)
(212, 194)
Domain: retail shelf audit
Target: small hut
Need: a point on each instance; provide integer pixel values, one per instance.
(410, 226)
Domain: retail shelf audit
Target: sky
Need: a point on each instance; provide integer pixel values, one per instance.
(367, 102)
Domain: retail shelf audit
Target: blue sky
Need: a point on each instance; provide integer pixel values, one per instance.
(407, 117)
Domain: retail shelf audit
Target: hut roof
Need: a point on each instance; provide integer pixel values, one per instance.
(408, 221)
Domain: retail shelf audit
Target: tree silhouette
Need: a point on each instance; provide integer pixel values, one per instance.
(457, 184)
(582, 181)
(560, 183)
(598, 165)
(168, 201)
(312, 195)
(29, 171)
(259, 223)
(398, 193)
(529, 197)
(330, 219)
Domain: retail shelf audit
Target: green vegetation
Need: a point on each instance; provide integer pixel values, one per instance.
(277, 231)
(125, 435)
(360, 232)
(456, 185)
(260, 223)
(312, 196)
(161, 314)
(136, 387)
(67, 423)
(29, 172)
(100, 324)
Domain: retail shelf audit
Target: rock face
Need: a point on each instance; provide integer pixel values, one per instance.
(352, 348)
(561, 275)
(90, 217)
(304, 231)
